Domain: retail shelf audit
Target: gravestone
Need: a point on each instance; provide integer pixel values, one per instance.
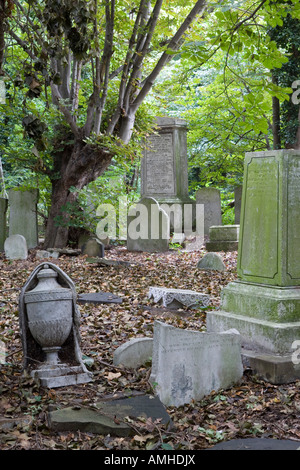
(15, 247)
(264, 303)
(211, 262)
(134, 353)
(187, 364)
(178, 298)
(211, 199)
(147, 227)
(23, 215)
(223, 238)
(164, 172)
(238, 191)
(93, 248)
(3, 209)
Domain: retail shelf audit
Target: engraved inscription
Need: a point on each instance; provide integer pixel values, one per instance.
(159, 159)
(293, 222)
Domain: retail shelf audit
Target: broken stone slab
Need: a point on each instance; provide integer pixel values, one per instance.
(62, 376)
(9, 423)
(65, 251)
(188, 365)
(178, 298)
(134, 353)
(99, 298)
(211, 262)
(46, 254)
(110, 416)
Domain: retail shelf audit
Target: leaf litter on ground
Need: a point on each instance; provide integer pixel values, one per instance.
(250, 408)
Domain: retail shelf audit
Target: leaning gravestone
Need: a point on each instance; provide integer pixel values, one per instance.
(264, 303)
(147, 227)
(211, 199)
(3, 209)
(164, 171)
(15, 247)
(93, 248)
(187, 365)
(23, 215)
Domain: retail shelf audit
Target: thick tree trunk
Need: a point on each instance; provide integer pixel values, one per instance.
(77, 167)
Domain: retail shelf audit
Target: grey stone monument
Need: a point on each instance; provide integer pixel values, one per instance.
(187, 364)
(23, 215)
(264, 303)
(3, 209)
(147, 227)
(164, 173)
(211, 199)
(238, 191)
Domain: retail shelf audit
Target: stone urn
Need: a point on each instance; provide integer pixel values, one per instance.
(49, 312)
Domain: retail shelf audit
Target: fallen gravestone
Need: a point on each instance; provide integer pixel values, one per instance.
(108, 262)
(187, 365)
(99, 298)
(211, 262)
(110, 416)
(178, 298)
(257, 443)
(15, 247)
(134, 353)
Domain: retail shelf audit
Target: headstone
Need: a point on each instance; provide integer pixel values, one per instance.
(238, 191)
(211, 262)
(147, 227)
(134, 353)
(187, 365)
(15, 247)
(264, 303)
(211, 199)
(3, 209)
(49, 324)
(164, 171)
(178, 298)
(93, 248)
(223, 238)
(23, 215)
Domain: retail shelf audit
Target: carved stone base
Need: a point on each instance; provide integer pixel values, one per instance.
(61, 375)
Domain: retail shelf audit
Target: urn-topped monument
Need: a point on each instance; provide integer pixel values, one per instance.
(49, 322)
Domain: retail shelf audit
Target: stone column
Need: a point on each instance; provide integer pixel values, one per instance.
(23, 215)
(264, 304)
(3, 209)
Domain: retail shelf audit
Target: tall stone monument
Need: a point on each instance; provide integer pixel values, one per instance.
(3, 209)
(164, 174)
(264, 304)
(23, 215)
(211, 199)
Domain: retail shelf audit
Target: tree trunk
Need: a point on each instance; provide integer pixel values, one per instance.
(78, 166)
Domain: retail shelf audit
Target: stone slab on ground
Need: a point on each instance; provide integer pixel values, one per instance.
(110, 416)
(99, 298)
(257, 443)
(134, 353)
(108, 262)
(178, 298)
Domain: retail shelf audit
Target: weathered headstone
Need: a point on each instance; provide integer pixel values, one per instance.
(223, 238)
(164, 172)
(187, 365)
(211, 199)
(3, 209)
(211, 262)
(147, 227)
(264, 304)
(93, 248)
(178, 298)
(238, 191)
(134, 353)
(15, 247)
(23, 215)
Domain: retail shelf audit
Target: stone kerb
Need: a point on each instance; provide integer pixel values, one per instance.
(148, 227)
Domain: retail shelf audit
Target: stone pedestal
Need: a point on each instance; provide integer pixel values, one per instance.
(3, 209)
(164, 172)
(264, 304)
